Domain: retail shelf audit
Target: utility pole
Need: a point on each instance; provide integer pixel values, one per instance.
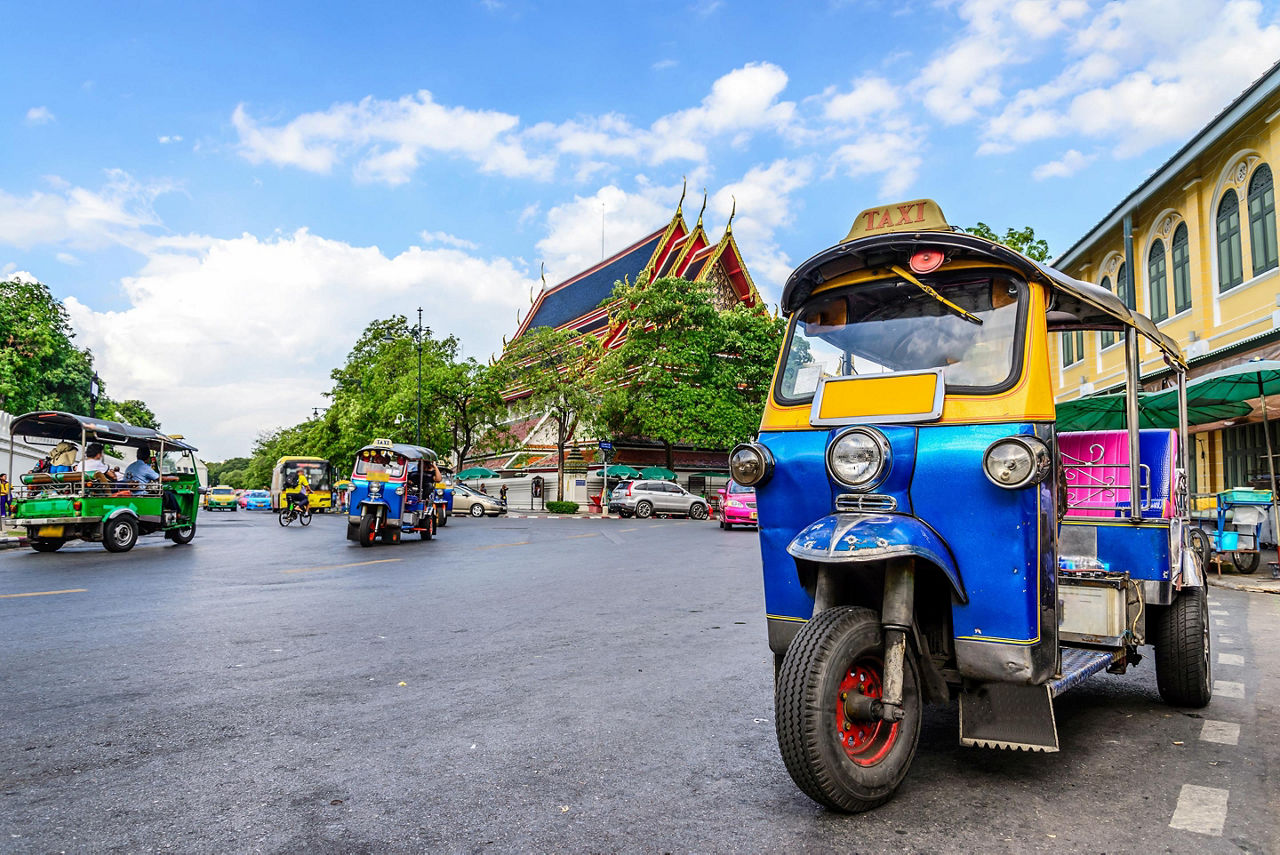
(417, 431)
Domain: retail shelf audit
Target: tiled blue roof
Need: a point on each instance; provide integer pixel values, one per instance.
(576, 299)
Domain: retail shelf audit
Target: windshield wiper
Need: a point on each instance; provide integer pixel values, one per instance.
(971, 318)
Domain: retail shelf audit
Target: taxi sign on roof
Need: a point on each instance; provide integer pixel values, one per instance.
(916, 216)
(383, 443)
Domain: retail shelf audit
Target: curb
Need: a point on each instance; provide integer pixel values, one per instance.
(1258, 587)
(13, 542)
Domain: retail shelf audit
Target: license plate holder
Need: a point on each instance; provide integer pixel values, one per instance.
(49, 531)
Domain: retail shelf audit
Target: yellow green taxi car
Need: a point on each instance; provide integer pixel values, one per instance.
(221, 498)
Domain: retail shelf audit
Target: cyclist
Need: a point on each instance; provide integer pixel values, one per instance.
(301, 499)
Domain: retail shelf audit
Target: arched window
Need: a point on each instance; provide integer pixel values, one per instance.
(1125, 289)
(1108, 337)
(1181, 253)
(1262, 220)
(1230, 265)
(1072, 347)
(1157, 292)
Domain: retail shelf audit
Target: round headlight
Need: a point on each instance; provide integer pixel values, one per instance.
(1017, 461)
(857, 458)
(750, 464)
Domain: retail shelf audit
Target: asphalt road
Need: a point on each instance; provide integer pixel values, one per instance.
(536, 686)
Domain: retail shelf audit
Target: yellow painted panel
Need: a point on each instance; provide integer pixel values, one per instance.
(868, 397)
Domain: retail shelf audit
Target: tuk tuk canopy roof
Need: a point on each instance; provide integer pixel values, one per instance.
(51, 424)
(1076, 304)
(409, 452)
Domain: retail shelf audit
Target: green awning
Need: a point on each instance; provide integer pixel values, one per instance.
(619, 470)
(657, 473)
(476, 472)
(1160, 410)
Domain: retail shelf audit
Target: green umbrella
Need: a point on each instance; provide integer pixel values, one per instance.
(476, 472)
(619, 470)
(657, 473)
(1160, 410)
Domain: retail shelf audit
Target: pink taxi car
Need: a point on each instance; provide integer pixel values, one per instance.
(737, 505)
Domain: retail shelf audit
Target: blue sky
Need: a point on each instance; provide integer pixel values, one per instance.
(225, 194)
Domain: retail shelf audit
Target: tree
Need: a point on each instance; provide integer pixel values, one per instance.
(470, 399)
(1024, 240)
(40, 367)
(136, 413)
(687, 372)
(553, 371)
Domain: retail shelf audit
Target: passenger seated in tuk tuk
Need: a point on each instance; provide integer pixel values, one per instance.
(141, 472)
(63, 457)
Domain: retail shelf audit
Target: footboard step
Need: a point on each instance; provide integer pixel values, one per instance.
(1008, 715)
(1079, 665)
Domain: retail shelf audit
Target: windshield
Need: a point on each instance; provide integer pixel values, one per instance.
(893, 326)
(735, 487)
(317, 472)
(223, 491)
(177, 463)
(372, 460)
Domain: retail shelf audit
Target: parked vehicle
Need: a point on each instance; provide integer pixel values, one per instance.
(391, 493)
(57, 507)
(644, 499)
(927, 530)
(221, 498)
(475, 503)
(256, 500)
(737, 505)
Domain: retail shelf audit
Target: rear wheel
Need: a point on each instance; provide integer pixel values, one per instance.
(368, 529)
(477, 510)
(182, 536)
(644, 510)
(842, 758)
(48, 544)
(1184, 673)
(1246, 562)
(1199, 541)
(698, 512)
(119, 534)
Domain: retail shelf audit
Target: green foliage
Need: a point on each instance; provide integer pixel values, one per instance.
(40, 367)
(555, 372)
(136, 413)
(1024, 240)
(687, 373)
(562, 507)
(232, 472)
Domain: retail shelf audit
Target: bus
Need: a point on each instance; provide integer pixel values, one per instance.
(284, 481)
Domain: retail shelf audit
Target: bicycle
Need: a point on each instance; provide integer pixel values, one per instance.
(292, 511)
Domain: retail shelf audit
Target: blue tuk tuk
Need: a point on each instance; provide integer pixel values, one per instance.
(928, 531)
(392, 493)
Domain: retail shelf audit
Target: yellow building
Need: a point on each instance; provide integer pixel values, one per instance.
(1195, 248)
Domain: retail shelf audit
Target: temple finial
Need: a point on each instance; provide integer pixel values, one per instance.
(729, 225)
(704, 205)
(684, 186)
(544, 275)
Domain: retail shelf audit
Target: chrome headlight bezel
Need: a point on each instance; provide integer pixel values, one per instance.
(746, 455)
(1038, 458)
(876, 475)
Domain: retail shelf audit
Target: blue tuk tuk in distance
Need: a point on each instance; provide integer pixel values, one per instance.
(928, 531)
(392, 493)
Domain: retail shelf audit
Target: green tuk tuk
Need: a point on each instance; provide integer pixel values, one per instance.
(57, 506)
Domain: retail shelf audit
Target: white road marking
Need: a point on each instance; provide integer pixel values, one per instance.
(1230, 659)
(1221, 622)
(1226, 639)
(1227, 689)
(1200, 809)
(1223, 732)
(1214, 603)
(1219, 612)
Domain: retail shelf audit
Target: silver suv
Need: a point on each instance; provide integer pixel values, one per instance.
(644, 499)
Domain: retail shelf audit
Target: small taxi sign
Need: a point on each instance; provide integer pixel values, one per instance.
(916, 216)
(382, 443)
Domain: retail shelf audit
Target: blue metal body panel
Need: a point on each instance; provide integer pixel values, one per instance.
(1142, 551)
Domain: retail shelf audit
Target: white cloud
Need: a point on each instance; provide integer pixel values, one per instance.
(742, 101)
(664, 64)
(40, 116)
(169, 138)
(893, 153)
(119, 213)
(764, 205)
(868, 98)
(576, 229)
(68, 259)
(1066, 166)
(448, 240)
(249, 328)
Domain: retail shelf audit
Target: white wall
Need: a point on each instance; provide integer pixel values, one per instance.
(24, 456)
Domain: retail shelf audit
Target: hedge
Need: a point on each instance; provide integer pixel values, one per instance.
(562, 507)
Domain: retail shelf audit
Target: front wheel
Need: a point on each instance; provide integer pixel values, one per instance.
(119, 534)
(368, 529)
(443, 517)
(698, 512)
(644, 510)
(1246, 562)
(1184, 672)
(477, 510)
(183, 536)
(305, 517)
(52, 544)
(840, 757)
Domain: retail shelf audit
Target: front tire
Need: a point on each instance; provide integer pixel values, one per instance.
(845, 764)
(477, 510)
(698, 512)
(284, 518)
(305, 517)
(119, 534)
(47, 545)
(644, 510)
(368, 530)
(443, 517)
(1184, 670)
(1246, 562)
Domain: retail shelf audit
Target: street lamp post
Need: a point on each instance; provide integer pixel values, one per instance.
(93, 395)
(417, 337)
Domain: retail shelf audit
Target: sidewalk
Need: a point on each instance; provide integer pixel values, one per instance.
(1259, 581)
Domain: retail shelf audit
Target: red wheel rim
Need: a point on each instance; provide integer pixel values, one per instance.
(865, 742)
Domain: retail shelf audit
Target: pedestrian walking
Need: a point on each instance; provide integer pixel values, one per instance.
(502, 495)
(4, 495)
